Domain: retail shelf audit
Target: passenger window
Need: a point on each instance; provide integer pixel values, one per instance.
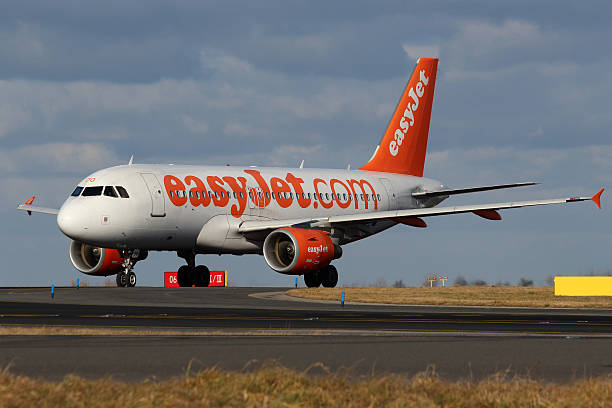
(92, 191)
(77, 191)
(267, 195)
(235, 195)
(309, 196)
(344, 196)
(241, 195)
(251, 195)
(327, 196)
(109, 191)
(378, 197)
(361, 196)
(122, 192)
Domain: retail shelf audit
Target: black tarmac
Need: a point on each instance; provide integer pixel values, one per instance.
(243, 328)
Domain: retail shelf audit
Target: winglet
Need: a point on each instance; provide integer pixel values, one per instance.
(597, 198)
(30, 202)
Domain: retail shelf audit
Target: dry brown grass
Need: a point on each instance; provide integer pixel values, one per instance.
(457, 296)
(85, 331)
(282, 387)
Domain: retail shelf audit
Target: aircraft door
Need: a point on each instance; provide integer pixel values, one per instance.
(158, 207)
(390, 193)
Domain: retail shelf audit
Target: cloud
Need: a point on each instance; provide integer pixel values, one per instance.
(421, 51)
(193, 125)
(56, 157)
(219, 63)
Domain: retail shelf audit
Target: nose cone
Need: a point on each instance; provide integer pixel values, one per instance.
(71, 221)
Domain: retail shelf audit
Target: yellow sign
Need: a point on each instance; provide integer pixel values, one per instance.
(583, 285)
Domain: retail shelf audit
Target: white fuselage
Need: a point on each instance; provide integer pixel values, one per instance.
(199, 208)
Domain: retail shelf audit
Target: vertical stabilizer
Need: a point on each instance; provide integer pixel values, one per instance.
(403, 147)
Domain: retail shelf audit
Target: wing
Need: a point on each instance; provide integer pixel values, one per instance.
(484, 210)
(27, 206)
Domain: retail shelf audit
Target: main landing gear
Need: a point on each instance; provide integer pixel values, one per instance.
(190, 274)
(328, 277)
(127, 278)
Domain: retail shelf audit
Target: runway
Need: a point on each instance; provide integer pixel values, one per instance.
(243, 327)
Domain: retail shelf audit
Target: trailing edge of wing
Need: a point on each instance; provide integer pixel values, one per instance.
(443, 193)
(252, 226)
(31, 209)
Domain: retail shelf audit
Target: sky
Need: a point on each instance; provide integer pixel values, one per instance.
(522, 94)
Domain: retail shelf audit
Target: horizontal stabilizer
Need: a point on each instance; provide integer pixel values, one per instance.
(446, 193)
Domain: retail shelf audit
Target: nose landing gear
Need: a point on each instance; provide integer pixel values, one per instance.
(127, 278)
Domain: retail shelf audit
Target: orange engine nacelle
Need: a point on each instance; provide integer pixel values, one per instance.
(94, 260)
(295, 251)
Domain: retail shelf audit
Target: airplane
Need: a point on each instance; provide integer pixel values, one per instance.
(298, 219)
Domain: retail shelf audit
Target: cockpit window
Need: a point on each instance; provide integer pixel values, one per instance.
(92, 191)
(77, 191)
(109, 191)
(122, 192)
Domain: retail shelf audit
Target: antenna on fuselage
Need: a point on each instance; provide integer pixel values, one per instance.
(302, 164)
(131, 160)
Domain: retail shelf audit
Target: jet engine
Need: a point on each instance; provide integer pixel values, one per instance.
(93, 260)
(295, 251)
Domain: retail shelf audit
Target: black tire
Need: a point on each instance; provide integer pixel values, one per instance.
(330, 276)
(183, 276)
(131, 279)
(121, 280)
(312, 279)
(201, 276)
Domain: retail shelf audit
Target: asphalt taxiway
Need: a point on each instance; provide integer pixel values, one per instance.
(242, 328)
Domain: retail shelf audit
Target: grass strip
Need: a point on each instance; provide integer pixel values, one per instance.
(282, 387)
(510, 296)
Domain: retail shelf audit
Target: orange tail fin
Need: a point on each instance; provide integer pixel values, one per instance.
(403, 147)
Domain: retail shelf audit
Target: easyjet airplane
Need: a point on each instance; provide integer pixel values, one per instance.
(297, 218)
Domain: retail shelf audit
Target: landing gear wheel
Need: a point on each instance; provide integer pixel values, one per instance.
(183, 276)
(312, 279)
(131, 279)
(200, 276)
(330, 276)
(122, 280)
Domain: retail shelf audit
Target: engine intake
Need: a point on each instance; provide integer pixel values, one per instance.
(93, 260)
(295, 251)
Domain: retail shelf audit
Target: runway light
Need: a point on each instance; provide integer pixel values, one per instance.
(52, 291)
(342, 299)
